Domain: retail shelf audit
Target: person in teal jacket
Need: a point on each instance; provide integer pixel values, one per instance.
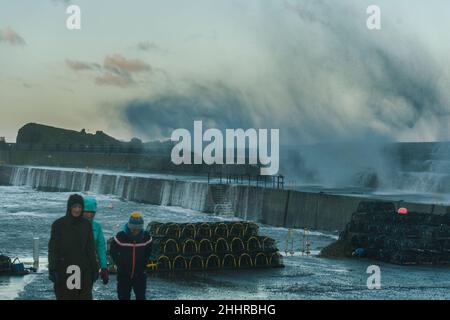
(90, 209)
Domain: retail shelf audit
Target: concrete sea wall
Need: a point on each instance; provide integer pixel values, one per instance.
(280, 208)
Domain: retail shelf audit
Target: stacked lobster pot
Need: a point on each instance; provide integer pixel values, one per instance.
(378, 231)
(210, 246)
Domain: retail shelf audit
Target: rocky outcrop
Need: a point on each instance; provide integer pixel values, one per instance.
(38, 134)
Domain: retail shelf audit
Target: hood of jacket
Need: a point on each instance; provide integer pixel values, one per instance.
(75, 199)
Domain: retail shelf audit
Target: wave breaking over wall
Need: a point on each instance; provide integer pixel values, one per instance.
(275, 207)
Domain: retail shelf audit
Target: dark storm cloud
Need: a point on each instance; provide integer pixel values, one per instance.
(394, 76)
(330, 78)
(216, 105)
(365, 86)
(326, 78)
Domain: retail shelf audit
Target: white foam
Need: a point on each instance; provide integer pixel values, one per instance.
(310, 233)
(122, 173)
(29, 214)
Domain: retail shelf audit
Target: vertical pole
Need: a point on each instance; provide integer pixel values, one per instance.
(307, 242)
(288, 235)
(292, 243)
(36, 252)
(303, 243)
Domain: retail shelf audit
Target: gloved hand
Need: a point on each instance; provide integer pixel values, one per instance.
(53, 276)
(104, 275)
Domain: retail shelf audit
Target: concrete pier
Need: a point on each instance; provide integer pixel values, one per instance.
(275, 207)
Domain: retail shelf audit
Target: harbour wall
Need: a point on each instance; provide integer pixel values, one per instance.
(275, 207)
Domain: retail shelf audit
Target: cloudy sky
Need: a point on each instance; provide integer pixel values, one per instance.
(308, 67)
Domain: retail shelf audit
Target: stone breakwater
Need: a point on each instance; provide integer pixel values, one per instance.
(275, 207)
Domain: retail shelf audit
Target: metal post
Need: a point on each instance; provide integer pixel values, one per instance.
(289, 240)
(305, 243)
(286, 249)
(280, 182)
(36, 252)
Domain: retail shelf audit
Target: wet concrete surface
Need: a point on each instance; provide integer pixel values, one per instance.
(26, 213)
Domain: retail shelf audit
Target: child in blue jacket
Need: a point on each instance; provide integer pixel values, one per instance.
(90, 209)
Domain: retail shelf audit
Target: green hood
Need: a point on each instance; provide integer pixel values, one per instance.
(90, 204)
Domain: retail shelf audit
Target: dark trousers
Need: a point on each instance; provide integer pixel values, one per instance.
(124, 285)
(64, 293)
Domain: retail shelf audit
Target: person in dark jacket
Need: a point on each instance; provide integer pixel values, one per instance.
(130, 251)
(72, 244)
